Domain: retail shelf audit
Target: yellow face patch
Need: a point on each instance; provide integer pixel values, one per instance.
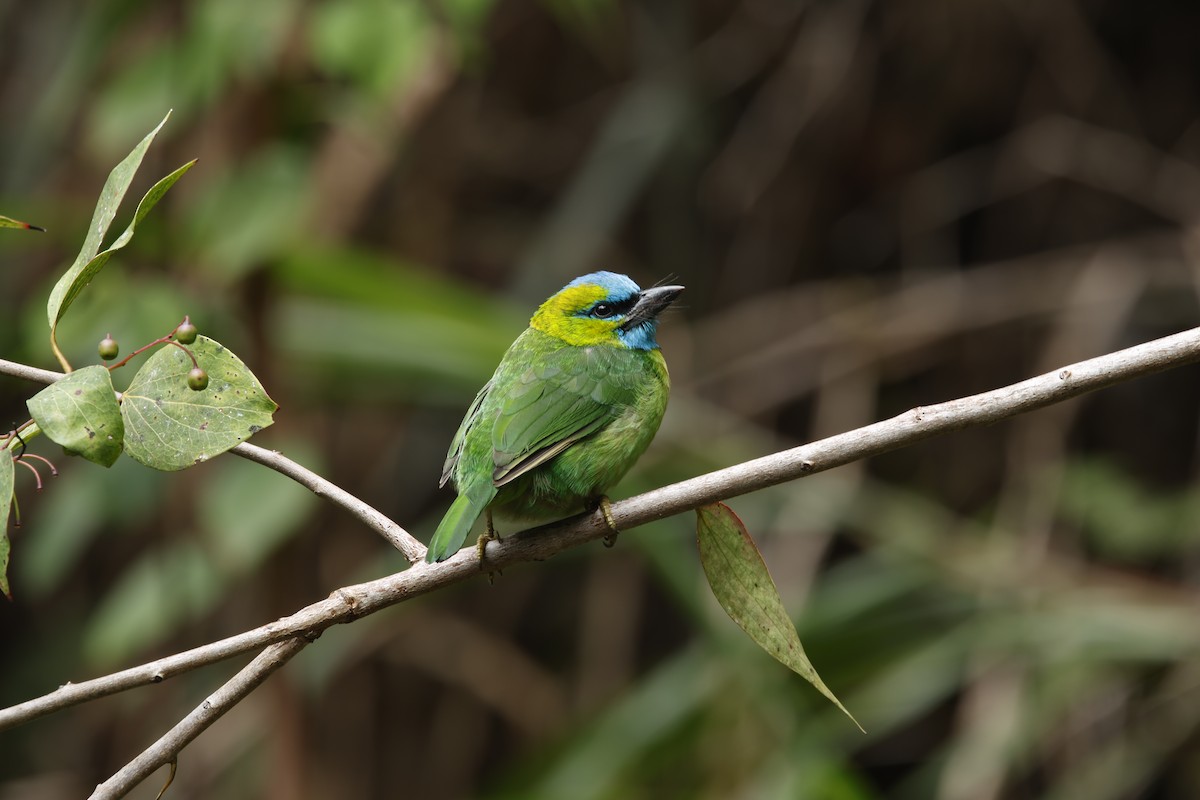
(559, 317)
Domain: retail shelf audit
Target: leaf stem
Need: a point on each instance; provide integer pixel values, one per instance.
(160, 340)
(66, 365)
(21, 434)
(195, 364)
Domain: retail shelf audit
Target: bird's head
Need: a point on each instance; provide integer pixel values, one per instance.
(605, 308)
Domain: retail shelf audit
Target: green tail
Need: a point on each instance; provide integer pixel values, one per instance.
(453, 529)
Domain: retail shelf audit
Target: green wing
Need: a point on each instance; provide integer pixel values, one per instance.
(460, 436)
(551, 407)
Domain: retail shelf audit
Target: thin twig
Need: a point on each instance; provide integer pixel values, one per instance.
(167, 748)
(399, 538)
(18, 370)
(353, 602)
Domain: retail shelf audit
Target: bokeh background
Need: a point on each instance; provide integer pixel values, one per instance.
(873, 205)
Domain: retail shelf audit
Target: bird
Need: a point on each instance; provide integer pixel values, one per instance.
(572, 405)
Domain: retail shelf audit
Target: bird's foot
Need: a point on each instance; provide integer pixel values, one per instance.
(489, 535)
(605, 508)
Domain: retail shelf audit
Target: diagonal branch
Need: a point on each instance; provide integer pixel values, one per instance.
(167, 748)
(351, 602)
(401, 539)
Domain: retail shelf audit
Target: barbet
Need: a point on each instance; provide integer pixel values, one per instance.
(573, 404)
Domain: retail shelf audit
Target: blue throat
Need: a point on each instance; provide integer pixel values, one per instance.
(640, 337)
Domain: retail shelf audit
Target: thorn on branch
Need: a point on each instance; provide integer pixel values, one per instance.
(170, 777)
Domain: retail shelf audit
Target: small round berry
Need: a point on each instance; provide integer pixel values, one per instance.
(186, 333)
(108, 348)
(197, 380)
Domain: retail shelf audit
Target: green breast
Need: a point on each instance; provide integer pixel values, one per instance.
(605, 403)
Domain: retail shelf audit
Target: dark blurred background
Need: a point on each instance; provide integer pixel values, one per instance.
(873, 205)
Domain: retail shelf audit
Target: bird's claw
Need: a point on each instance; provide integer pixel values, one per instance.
(605, 508)
(489, 535)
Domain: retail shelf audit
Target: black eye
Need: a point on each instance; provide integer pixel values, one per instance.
(603, 310)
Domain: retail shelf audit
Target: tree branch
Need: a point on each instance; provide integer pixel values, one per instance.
(351, 602)
(285, 637)
(167, 748)
(18, 370)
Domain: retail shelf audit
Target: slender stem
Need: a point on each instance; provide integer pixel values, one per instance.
(195, 363)
(62, 360)
(401, 539)
(160, 340)
(168, 339)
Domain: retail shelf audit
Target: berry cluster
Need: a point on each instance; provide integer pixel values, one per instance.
(184, 334)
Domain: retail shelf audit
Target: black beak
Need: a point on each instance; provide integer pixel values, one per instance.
(650, 304)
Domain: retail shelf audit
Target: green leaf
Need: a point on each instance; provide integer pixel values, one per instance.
(106, 209)
(6, 496)
(90, 260)
(72, 283)
(740, 581)
(81, 413)
(169, 427)
(9, 222)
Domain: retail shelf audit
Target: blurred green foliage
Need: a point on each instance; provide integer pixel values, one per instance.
(873, 206)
